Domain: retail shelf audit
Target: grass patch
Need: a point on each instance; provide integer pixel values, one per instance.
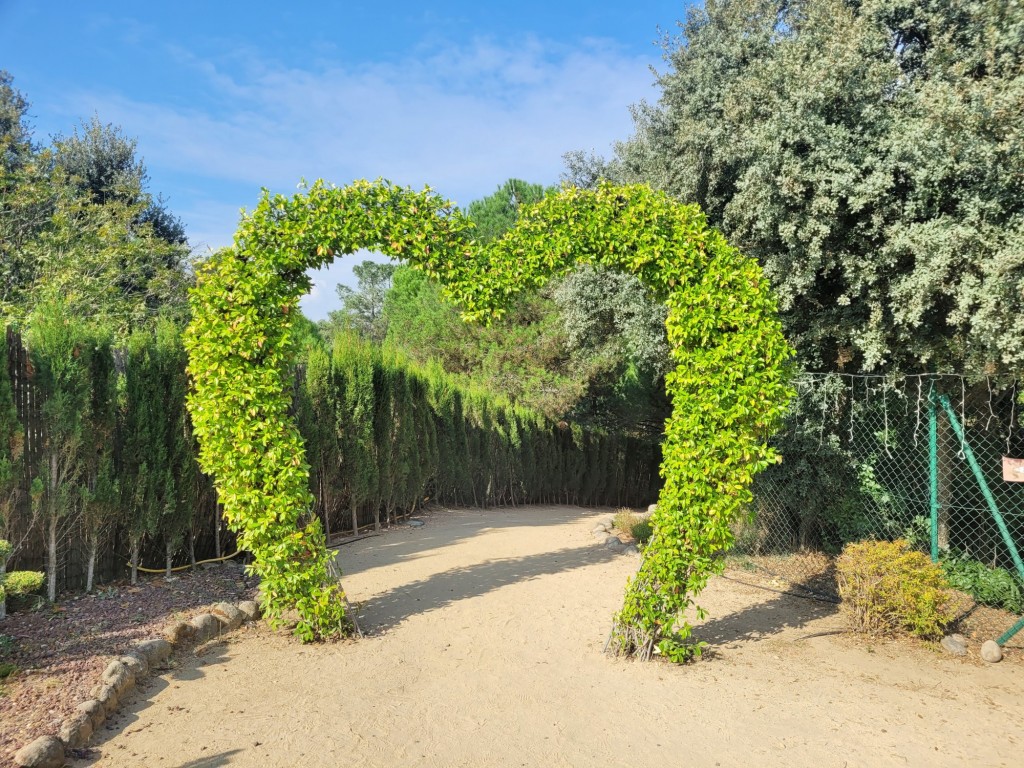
(628, 521)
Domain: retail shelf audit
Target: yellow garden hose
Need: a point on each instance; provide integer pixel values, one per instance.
(186, 567)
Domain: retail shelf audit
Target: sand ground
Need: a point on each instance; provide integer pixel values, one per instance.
(485, 632)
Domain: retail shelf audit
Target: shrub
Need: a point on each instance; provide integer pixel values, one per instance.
(642, 531)
(989, 586)
(627, 521)
(889, 589)
(19, 583)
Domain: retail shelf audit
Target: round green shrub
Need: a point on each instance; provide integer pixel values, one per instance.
(18, 583)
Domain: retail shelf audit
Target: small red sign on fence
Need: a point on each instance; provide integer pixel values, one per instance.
(1013, 470)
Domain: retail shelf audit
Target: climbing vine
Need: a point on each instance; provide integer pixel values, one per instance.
(728, 390)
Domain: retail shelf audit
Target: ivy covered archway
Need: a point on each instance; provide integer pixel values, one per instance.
(728, 390)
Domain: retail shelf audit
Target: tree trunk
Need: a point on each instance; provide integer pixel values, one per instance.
(216, 529)
(51, 559)
(90, 566)
(355, 519)
(376, 516)
(170, 557)
(3, 598)
(135, 547)
(192, 550)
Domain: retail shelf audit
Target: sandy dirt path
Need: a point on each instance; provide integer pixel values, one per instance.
(484, 649)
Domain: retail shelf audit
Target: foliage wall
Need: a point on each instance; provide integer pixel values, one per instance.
(118, 471)
(382, 436)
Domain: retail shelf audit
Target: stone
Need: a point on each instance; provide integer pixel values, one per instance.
(117, 676)
(250, 609)
(608, 523)
(136, 663)
(613, 543)
(178, 632)
(76, 730)
(955, 644)
(652, 508)
(95, 710)
(228, 615)
(44, 752)
(107, 696)
(599, 529)
(206, 627)
(991, 652)
(416, 523)
(631, 549)
(156, 650)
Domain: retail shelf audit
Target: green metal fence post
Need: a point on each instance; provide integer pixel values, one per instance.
(933, 471)
(985, 490)
(990, 500)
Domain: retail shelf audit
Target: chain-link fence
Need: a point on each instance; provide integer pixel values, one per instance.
(919, 457)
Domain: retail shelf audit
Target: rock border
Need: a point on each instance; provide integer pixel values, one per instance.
(121, 675)
(603, 533)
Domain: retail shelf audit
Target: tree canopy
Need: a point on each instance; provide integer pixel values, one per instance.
(869, 155)
(79, 227)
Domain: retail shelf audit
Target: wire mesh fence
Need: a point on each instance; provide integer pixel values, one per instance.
(919, 457)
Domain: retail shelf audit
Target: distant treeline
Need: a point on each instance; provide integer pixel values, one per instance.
(98, 462)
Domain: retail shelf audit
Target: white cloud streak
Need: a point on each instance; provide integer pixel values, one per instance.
(461, 119)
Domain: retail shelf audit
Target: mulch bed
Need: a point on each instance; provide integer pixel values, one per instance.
(60, 650)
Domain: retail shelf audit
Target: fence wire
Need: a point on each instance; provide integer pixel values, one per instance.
(861, 461)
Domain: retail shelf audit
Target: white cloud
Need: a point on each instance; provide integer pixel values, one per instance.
(459, 118)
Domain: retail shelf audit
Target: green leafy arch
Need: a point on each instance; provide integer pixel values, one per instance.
(729, 387)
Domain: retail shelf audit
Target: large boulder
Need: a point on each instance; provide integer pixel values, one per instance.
(117, 676)
(228, 615)
(178, 632)
(206, 627)
(95, 710)
(250, 609)
(991, 652)
(44, 752)
(137, 663)
(107, 696)
(156, 650)
(76, 730)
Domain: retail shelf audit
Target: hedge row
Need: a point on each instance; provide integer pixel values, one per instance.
(383, 436)
(104, 452)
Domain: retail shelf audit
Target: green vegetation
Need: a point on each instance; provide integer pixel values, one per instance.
(382, 435)
(15, 584)
(80, 228)
(627, 521)
(728, 388)
(887, 588)
(997, 587)
(867, 154)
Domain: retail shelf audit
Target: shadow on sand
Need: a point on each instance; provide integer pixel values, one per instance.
(384, 611)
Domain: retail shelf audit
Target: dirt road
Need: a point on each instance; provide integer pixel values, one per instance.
(484, 649)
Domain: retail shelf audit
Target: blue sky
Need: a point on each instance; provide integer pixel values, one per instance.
(227, 98)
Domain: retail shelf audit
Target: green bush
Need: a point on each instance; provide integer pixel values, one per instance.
(888, 588)
(627, 521)
(989, 586)
(642, 531)
(18, 583)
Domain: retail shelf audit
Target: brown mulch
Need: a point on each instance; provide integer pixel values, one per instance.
(60, 650)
